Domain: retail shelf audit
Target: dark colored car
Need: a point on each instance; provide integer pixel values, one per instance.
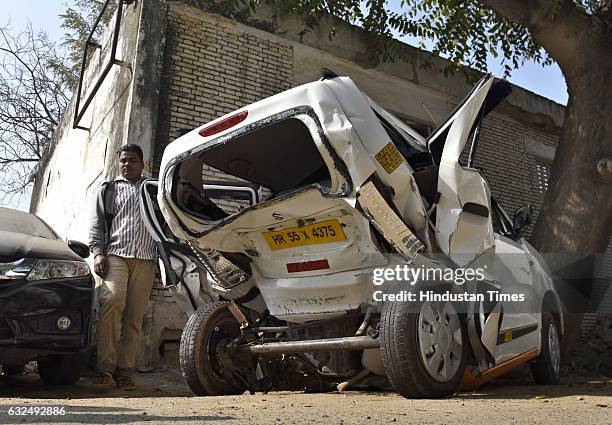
(46, 299)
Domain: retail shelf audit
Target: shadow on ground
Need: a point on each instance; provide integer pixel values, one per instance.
(169, 383)
(160, 384)
(525, 389)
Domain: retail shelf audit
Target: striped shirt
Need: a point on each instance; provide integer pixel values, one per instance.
(129, 238)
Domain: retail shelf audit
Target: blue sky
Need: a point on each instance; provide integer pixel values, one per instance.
(43, 15)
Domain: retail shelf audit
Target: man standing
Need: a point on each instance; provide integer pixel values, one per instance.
(125, 255)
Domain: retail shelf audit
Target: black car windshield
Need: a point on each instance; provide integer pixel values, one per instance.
(27, 224)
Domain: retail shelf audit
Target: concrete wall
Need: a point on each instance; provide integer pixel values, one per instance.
(349, 50)
(124, 110)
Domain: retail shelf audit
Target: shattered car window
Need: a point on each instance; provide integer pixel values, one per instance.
(275, 159)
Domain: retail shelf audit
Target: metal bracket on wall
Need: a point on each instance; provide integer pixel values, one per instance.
(79, 111)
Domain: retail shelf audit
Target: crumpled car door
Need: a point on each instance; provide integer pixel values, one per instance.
(464, 228)
(182, 273)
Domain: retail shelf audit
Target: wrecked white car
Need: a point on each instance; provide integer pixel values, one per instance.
(303, 272)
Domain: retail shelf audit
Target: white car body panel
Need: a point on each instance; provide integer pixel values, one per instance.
(463, 236)
(246, 233)
(407, 198)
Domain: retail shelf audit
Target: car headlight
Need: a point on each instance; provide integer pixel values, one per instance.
(53, 269)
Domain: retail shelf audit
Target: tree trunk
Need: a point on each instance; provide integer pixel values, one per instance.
(576, 219)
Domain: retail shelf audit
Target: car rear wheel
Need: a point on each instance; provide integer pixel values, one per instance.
(60, 369)
(423, 347)
(13, 369)
(546, 368)
(206, 365)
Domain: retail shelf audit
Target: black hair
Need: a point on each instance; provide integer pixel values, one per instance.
(131, 148)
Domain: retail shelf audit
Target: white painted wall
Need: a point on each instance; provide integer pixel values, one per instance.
(81, 160)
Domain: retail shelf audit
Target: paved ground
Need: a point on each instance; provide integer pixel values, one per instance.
(162, 398)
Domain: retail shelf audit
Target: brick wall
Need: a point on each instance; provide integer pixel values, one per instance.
(516, 177)
(211, 68)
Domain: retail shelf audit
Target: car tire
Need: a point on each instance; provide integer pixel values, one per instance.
(60, 369)
(200, 349)
(546, 368)
(13, 369)
(416, 354)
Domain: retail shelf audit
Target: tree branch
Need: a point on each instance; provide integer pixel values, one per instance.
(33, 95)
(558, 25)
(8, 160)
(12, 52)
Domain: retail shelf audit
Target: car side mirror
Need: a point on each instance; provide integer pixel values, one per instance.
(79, 248)
(522, 217)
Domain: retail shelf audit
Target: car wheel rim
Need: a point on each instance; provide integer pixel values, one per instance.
(440, 340)
(221, 335)
(554, 348)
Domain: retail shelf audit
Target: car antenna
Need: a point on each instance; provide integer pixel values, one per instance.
(429, 113)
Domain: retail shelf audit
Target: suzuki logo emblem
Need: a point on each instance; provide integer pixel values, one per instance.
(277, 216)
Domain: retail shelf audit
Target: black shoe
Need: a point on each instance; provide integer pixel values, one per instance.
(125, 383)
(102, 379)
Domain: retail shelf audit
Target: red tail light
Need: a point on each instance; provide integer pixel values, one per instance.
(307, 266)
(224, 124)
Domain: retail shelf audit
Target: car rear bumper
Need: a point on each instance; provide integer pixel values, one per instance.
(29, 313)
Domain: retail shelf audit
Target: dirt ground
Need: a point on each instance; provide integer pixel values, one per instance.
(162, 398)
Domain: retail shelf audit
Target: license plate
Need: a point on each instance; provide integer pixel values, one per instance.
(323, 232)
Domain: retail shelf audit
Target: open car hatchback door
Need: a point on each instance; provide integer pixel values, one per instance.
(464, 229)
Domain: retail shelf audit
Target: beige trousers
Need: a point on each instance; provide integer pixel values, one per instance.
(124, 297)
